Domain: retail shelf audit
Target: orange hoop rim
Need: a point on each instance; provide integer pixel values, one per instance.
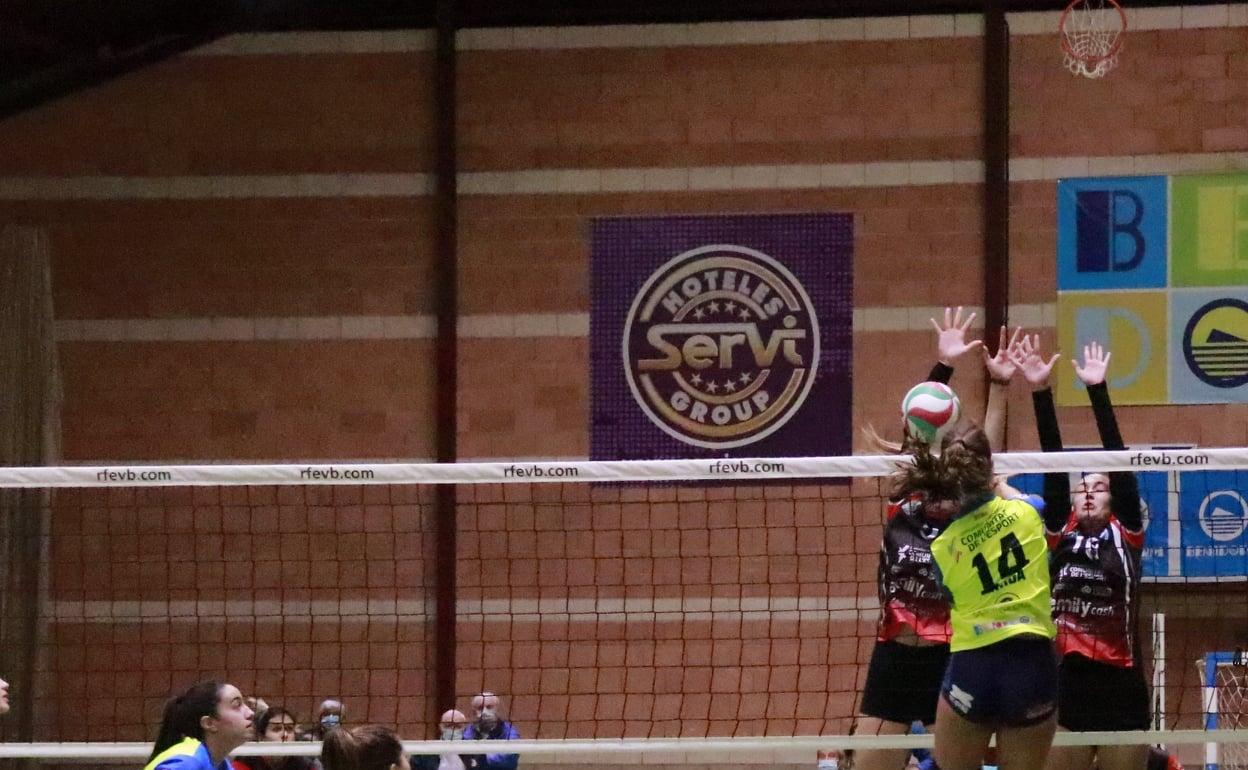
(1113, 49)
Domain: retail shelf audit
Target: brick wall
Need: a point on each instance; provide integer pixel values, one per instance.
(243, 267)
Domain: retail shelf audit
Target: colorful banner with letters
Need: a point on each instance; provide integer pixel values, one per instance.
(721, 335)
(1156, 268)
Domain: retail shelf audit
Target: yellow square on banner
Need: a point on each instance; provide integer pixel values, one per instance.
(1129, 324)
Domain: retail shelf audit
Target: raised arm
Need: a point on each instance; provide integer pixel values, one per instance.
(1001, 369)
(1036, 370)
(951, 343)
(1124, 488)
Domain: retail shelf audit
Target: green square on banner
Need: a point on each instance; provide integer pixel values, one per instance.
(1209, 230)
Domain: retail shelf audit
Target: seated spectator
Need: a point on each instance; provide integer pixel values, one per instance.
(368, 747)
(275, 725)
(1159, 758)
(329, 717)
(490, 726)
(450, 728)
(257, 705)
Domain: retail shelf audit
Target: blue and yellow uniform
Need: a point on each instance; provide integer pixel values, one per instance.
(993, 562)
(188, 754)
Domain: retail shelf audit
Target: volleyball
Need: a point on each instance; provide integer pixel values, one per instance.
(930, 410)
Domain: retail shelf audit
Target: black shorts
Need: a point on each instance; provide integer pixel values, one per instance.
(1012, 683)
(903, 682)
(1094, 696)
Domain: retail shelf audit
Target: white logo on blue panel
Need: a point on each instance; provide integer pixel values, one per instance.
(1224, 515)
(1214, 522)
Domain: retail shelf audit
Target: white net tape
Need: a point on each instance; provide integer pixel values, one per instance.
(772, 751)
(744, 470)
(1091, 32)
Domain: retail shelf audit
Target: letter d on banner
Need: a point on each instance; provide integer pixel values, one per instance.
(1131, 325)
(1093, 324)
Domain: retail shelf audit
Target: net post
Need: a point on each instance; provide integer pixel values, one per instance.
(1159, 670)
(1209, 697)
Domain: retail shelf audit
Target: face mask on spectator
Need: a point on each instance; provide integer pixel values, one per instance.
(330, 721)
(453, 733)
(487, 720)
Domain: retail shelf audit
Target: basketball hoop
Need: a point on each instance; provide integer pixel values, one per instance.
(1092, 33)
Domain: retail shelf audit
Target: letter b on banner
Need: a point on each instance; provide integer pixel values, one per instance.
(1107, 225)
(1111, 233)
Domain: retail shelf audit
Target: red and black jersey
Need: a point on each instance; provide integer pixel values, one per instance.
(1095, 579)
(910, 592)
(1095, 585)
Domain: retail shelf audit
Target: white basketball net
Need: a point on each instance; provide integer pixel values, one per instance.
(1231, 687)
(1091, 32)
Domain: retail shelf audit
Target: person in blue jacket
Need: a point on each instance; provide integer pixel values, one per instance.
(490, 726)
(201, 727)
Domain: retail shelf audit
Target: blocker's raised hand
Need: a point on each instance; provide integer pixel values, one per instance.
(1001, 367)
(1095, 364)
(951, 341)
(1035, 368)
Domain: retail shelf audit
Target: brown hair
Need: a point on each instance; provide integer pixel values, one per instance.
(877, 443)
(963, 468)
(183, 712)
(368, 747)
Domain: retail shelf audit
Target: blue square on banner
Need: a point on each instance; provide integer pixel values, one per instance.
(1112, 233)
(1155, 496)
(1214, 517)
(1153, 493)
(1028, 483)
(1155, 499)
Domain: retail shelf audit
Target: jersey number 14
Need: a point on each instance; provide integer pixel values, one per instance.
(1009, 565)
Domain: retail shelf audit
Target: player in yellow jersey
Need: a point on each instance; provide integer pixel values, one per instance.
(992, 560)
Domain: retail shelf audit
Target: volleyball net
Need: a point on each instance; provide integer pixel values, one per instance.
(684, 599)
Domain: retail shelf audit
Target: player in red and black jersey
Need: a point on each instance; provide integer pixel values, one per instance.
(912, 645)
(1096, 538)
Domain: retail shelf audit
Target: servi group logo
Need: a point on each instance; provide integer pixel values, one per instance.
(724, 335)
(1156, 268)
(721, 346)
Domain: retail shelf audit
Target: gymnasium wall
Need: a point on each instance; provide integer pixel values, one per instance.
(243, 247)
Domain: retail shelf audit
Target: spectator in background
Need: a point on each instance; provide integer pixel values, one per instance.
(257, 705)
(4, 697)
(450, 728)
(1159, 758)
(329, 717)
(368, 747)
(489, 725)
(275, 725)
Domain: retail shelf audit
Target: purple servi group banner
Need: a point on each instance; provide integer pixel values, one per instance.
(721, 336)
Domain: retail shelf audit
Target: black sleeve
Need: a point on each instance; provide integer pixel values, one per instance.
(1124, 489)
(1056, 485)
(940, 373)
(1046, 420)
